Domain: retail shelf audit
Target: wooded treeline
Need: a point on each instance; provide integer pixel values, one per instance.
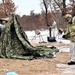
(38, 21)
(55, 9)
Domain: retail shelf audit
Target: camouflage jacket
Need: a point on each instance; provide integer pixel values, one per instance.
(71, 32)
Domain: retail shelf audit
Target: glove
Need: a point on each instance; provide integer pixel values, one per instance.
(64, 36)
(47, 24)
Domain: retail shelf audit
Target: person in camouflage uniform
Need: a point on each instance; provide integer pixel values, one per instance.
(2, 26)
(71, 32)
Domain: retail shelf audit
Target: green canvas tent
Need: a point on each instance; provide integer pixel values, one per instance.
(14, 43)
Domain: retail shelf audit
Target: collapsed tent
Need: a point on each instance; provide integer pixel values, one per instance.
(14, 43)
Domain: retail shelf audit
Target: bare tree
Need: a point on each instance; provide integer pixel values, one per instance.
(63, 6)
(7, 7)
(46, 8)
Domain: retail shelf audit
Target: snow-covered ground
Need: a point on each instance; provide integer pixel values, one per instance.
(33, 37)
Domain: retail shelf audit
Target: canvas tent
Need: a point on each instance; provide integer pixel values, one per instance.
(14, 43)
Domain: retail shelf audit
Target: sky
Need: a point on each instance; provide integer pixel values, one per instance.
(25, 6)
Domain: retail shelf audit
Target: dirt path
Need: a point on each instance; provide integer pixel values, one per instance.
(54, 66)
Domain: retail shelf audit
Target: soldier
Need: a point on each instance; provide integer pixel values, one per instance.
(2, 25)
(71, 32)
(54, 29)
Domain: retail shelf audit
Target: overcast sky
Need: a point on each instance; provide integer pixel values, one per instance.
(25, 6)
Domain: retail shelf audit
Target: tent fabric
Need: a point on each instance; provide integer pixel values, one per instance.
(14, 43)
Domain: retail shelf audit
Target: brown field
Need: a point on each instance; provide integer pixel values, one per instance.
(36, 67)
